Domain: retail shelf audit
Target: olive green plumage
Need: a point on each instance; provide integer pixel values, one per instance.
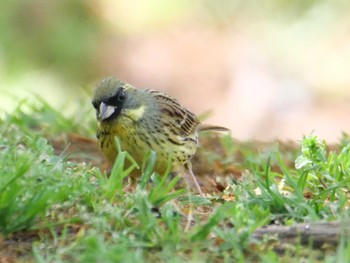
(145, 120)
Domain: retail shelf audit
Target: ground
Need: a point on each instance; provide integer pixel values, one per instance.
(58, 204)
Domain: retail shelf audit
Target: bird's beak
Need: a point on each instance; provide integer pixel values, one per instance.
(106, 111)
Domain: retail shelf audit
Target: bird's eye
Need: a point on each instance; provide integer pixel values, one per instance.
(121, 96)
(118, 98)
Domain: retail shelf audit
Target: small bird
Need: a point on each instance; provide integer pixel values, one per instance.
(146, 120)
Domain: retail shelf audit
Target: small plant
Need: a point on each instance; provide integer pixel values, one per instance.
(32, 179)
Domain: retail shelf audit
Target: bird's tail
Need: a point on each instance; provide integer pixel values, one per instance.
(214, 128)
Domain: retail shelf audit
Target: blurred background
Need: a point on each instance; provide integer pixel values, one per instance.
(274, 69)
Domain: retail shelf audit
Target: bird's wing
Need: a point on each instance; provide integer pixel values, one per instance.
(179, 117)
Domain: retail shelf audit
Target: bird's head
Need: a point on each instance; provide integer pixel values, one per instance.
(113, 97)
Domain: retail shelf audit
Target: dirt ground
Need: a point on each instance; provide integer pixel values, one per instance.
(212, 173)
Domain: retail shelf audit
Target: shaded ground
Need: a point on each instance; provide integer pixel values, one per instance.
(213, 163)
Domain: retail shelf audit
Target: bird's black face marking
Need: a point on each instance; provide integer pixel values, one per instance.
(116, 101)
(96, 104)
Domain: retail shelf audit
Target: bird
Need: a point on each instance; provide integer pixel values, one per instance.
(147, 120)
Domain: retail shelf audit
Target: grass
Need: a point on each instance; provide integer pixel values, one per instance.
(55, 210)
